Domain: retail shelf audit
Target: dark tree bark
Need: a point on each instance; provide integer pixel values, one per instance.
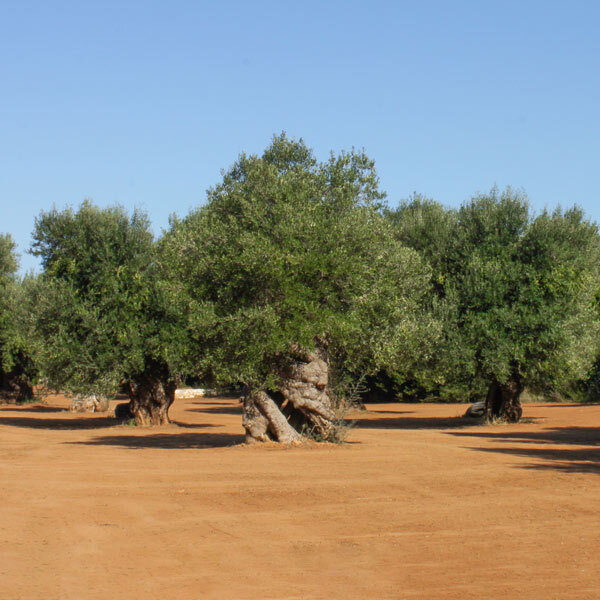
(15, 386)
(300, 407)
(503, 401)
(151, 395)
(123, 411)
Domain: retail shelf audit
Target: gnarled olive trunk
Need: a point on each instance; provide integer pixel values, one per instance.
(151, 395)
(301, 406)
(503, 401)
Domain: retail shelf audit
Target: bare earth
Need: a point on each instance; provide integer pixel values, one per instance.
(419, 504)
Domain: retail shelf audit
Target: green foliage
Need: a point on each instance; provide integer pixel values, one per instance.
(103, 310)
(8, 267)
(291, 253)
(429, 228)
(526, 291)
(8, 258)
(16, 364)
(516, 292)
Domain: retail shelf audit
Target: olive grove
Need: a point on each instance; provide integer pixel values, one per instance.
(293, 282)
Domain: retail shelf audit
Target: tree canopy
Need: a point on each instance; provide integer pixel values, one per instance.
(295, 280)
(16, 366)
(104, 314)
(518, 290)
(290, 257)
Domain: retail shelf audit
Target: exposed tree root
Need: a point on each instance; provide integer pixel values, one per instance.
(300, 407)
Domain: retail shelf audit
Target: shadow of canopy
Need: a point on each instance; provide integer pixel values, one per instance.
(80, 423)
(34, 408)
(169, 441)
(218, 410)
(533, 444)
(59, 424)
(588, 436)
(414, 423)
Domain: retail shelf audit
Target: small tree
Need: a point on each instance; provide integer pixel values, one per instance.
(16, 366)
(103, 311)
(291, 269)
(520, 293)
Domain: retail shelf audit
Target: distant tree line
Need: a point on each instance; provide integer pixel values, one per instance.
(298, 284)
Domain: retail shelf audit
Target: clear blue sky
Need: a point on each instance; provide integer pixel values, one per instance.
(143, 103)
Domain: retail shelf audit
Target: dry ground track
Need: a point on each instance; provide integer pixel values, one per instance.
(417, 505)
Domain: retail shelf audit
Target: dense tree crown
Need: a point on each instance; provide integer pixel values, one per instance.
(8, 259)
(517, 290)
(103, 312)
(291, 269)
(526, 290)
(16, 365)
(291, 253)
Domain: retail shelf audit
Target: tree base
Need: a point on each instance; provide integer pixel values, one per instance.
(476, 410)
(89, 404)
(15, 389)
(503, 402)
(151, 397)
(301, 408)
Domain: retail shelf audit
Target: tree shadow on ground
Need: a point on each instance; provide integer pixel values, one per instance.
(585, 459)
(218, 410)
(571, 405)
(83, 422)
(415, 423)
(35, 408)
(59, 424)
(588, 436)
(192, 425)
(169, 441)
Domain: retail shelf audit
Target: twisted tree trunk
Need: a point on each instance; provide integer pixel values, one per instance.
(264, 420)
(503, 401)
(151, 395)
(300, 407)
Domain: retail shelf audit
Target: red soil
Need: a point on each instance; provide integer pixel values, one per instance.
(419, 504)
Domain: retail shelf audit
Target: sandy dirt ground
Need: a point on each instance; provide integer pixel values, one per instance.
(418, 504)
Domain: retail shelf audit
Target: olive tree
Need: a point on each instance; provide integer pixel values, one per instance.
(104, 313)
(519, 292)
(16, 365)
(290, 270)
